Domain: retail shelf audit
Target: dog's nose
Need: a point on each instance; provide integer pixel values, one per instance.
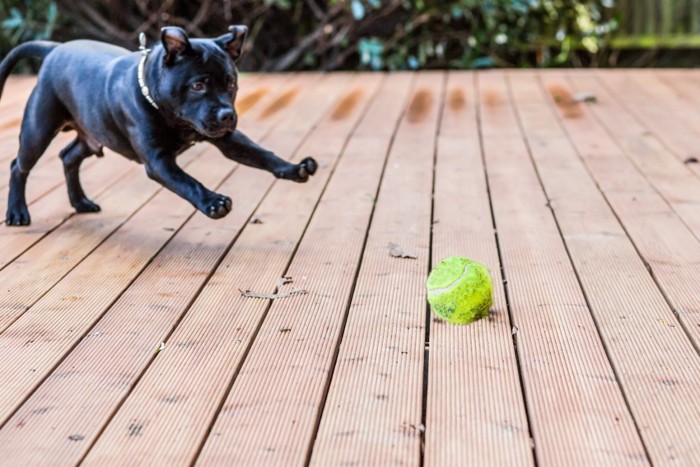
(226, 116)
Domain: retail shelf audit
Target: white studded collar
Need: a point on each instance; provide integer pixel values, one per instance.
(141, 75)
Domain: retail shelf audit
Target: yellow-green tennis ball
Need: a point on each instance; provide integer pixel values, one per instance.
(459, 290)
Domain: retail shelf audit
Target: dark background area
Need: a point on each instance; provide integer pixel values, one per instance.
(389, 34)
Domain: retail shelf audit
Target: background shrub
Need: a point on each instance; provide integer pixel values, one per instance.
(343, 34)
(25, 20)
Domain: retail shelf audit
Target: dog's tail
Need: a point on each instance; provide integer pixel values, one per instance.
(38, 49)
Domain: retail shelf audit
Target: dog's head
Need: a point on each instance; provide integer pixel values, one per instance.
(198, 79)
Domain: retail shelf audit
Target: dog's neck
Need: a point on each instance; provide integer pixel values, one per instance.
(141, 71)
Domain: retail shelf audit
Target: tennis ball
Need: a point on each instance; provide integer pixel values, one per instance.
(459, 290)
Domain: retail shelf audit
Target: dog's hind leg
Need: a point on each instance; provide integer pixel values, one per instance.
(43, 117)
(72, 156)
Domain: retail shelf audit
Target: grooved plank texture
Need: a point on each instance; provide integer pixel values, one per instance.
(212, 339)
(632, 316)
(270, 415)
(138, 321)
(39, 338)
(577, 411)
(669, 247)
(473, 393)
(126, 337)
(373, 409)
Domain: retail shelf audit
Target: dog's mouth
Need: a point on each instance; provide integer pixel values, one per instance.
(218, 133)
(212, 132)
(209, 130)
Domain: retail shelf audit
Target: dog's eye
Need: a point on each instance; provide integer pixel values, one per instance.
(199, 86)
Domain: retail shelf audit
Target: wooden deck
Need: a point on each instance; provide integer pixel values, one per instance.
(126, 340)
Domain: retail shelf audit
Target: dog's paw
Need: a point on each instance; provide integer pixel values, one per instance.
(17, 217)
(218, 206)
(85, 205)
(305, 169)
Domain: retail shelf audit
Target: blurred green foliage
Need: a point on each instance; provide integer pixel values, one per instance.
(342, 34)
(23, 20)
(477, 34)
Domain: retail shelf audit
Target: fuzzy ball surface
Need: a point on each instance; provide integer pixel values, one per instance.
(460, 290)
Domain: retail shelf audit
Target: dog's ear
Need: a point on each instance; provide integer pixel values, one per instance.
(232, 42)
(175, 42)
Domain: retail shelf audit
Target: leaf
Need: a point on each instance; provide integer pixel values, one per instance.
(272, 296)
(483, 62)
(269, 296)
(358, 10)
(588, 97)
(284, 280)
(370, 51)
(395, 251)
(12, 23)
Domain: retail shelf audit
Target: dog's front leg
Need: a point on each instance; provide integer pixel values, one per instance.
(240, 148)
(165, 171)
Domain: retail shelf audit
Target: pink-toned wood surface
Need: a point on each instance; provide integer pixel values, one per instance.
(257, 260)
(374, 402)
(588, 216)
(271, 412)
(472, 393)
(576, 406)
(627, 307)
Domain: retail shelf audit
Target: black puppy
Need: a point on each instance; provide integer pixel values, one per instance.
(147, 106)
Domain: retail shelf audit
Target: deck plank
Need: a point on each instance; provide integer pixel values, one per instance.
(36, 271)
(474, 390)
(177, 273)
(684, 85)
(652, 104)
(657, 147)
(38, 339)
(219, 327)
(270, 415)
(14, 96)
(629, 314)
(49, 205)
(591, 354)
(669, 248)
(372, 413)
(577, 411)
